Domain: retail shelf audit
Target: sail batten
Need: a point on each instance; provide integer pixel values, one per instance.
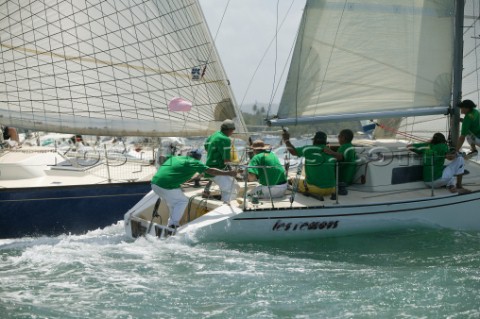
(111, 67)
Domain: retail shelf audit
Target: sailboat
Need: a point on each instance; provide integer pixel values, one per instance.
(142, 68)
(358, 60)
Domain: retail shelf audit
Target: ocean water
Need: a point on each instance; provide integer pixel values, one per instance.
(102, 274)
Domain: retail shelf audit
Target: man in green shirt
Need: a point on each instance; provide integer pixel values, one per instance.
(218, 147)
(346, 157)
(470, 127)
(175, 171)
(434, 173)
(270, 173)
(319, 166)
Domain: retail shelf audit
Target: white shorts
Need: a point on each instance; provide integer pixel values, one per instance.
(228, 186)
(264, 192)
(176, 201)
(456, 167)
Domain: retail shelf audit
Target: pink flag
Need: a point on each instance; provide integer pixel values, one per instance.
(179, 105)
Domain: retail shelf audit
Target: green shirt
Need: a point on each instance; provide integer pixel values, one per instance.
(218, 150)
(275, 175)
(177, 170)
(471, 124)
(319, 166)
(438, 151)
(348, 166)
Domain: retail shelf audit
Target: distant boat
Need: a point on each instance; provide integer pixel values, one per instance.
(142, 68)
(358, 61)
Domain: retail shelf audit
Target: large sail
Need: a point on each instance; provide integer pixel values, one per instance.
(423, 128)
(111, 68)
(370, 59)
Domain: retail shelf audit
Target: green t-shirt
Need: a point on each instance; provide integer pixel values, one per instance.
(177, 170)
(348, 167)
(438, 151)
(218, 147)
(275, 175)
(319, 166)
(471, 124)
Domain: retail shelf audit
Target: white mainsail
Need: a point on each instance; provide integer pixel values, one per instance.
(370, 59)
(111, 68)
(425, 127)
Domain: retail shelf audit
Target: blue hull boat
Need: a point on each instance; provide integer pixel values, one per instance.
(72, 209)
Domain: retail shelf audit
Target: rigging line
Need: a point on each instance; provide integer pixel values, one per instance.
(33, 78)
(333, 46)
(169, 56)
(116, 95)
(411, 127)
(194, 90)
(428, 120)
(70, 16)
(93, 60)
(216, 33)
(83, 25)
(97, 73)
(275, 66)
(219, 64)
(263, 57)
(285, 67)
(297, 78)
(99, 48)
(405, 134)
(207, 88)
(140, 46)
(122, 37)
(81, 10)
(175, 27)
(206, 85)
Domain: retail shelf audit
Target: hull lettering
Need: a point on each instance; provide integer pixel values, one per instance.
(325, 225)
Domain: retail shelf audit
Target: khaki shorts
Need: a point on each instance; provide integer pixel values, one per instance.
(314, 189)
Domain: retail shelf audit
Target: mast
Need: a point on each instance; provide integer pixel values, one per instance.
(457, 71)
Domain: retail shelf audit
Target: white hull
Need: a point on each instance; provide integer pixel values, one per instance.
(390, 196)
(230, 223)
(450, 212)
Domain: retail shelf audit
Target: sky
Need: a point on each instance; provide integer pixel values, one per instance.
(247, 29)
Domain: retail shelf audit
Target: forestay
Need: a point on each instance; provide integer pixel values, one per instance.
(111, 68)
(370, 59)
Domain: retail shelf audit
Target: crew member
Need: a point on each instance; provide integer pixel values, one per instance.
(175, 171)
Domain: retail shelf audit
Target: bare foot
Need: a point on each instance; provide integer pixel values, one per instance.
(471, 154)
(452, 189)
(464, 191)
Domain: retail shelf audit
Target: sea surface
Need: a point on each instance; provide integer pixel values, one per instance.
(102, 274)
